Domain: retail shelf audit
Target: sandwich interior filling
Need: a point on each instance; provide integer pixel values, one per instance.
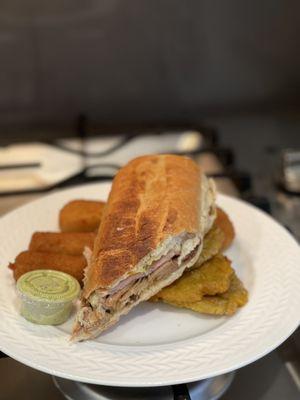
(101, 305)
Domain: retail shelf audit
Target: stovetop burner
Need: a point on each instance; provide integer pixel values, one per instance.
(207, 389)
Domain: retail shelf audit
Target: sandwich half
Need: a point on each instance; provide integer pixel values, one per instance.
(158, 211)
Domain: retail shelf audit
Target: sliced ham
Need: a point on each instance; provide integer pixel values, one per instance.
(129, 290)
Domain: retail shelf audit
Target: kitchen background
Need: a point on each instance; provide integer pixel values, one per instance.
(233, 65)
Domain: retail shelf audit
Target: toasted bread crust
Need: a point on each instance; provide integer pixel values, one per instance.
(152, 198)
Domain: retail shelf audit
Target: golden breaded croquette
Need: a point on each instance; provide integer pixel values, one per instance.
(81, 216)
(32, 260)
(72, 243)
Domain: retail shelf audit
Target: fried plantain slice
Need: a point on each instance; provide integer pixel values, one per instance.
(221, 304)
(212, 245)
(212, 277)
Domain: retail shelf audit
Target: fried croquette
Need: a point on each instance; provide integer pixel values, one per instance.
(81, 216)
(32, 260)
(72, 243)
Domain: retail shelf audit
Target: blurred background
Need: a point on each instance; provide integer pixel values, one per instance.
(85, 86)
(232, 65)
(110, 69)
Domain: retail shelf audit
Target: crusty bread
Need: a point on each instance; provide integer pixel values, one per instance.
(152, 198)
(158, 211)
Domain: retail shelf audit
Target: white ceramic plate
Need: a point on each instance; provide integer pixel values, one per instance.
(158, 344)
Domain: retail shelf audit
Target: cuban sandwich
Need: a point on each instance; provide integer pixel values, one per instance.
(159, 209)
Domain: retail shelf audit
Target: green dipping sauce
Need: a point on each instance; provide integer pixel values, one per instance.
(47, 296)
